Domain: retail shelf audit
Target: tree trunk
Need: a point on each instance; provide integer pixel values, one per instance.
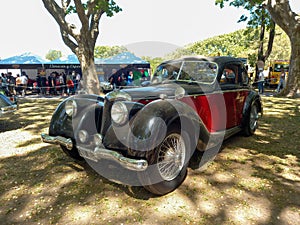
(261, 41)
(82, 42)
(293, 82)
(85, 53)
(261, 56)
(90, 82)
(289, 21)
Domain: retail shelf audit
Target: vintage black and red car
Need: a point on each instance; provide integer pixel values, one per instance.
(148, 135)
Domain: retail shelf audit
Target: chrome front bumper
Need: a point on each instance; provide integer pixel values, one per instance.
(67, 142)
(98, 153)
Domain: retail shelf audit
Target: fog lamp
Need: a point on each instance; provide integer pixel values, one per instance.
(83, 136)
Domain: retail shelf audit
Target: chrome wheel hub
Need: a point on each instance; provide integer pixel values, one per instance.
(253, 117)
(171, 156)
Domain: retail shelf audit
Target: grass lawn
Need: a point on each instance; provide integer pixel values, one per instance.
(253, 180)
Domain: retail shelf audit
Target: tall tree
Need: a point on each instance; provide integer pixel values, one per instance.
(82, 40)
(259, 18)
(289, 21)
(108, 51)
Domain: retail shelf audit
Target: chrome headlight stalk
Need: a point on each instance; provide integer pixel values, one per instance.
(98, 139)
(179, 93)
(119, 113)
(71, 107)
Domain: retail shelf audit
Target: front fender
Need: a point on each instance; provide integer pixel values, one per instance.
(64, 125)
(148, 128)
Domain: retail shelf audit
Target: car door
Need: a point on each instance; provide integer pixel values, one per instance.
(234, 92)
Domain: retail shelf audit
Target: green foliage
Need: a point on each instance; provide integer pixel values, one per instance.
(108, 6)
(257, 14)
(234, 44)
(179, 53)
(107, 51)
(154, 62)
(282, 46)
(53, 54)
(241, 43)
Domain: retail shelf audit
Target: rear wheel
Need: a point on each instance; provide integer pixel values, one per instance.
(167, 164)
(252, 120)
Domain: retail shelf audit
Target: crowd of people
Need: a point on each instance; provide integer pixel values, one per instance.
(55, 84)
(58, 83)
(13, 85)
(135, 77)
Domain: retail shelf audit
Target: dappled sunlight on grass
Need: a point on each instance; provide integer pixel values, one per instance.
(253, 180)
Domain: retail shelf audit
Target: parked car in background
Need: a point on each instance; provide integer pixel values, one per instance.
(7, 105)
(191, 105)
(274, 71)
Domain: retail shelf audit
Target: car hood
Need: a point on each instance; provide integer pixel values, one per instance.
(152, 92)
(168, 90)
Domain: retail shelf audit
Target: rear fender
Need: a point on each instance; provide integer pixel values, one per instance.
(251, 98)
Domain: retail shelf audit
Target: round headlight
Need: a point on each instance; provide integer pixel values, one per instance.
(71, 108)
(119, 113)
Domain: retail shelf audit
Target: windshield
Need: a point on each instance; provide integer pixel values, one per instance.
(190, 71)
(278, 67)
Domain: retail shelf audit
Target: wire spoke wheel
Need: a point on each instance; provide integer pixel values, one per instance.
(253, 117)
(171, 156)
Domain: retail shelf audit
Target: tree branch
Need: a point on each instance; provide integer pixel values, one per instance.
(81, 14)
(279, 10)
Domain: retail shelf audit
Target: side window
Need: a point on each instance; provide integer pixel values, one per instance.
(229, 76)
(245, 78)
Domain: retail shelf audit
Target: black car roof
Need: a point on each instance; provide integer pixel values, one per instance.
(217, 59)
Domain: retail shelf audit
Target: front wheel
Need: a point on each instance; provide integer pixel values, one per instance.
(167, 163)
(251, 122)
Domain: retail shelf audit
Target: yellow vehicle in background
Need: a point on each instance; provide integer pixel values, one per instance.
(275, 67)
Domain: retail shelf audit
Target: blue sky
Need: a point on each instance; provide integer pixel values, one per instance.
(26, 26)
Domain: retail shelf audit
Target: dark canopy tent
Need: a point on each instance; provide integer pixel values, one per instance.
(68, 63)
(122, 62)
(23, 61)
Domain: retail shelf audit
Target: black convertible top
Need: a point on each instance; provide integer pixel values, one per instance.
(216, 59)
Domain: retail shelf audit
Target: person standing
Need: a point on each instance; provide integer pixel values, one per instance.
(18, 85)
(261, 80)
(11, 81)
(130, 78)
(24, 82)
(70, 85)
(61, 84)
(281, 80)
(38, 83)
(51, 84)
(115, 78)
(43, 84)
